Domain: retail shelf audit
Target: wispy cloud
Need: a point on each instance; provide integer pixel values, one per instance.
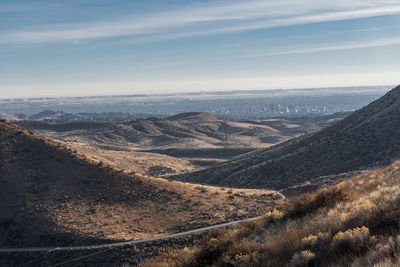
(223, 17)
(328, 47)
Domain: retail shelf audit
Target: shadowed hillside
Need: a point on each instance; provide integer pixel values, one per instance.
(366, 138)
(53, 196)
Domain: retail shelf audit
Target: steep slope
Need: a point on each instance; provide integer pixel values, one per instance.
(53, 196)
(352, 223)
(368, 137)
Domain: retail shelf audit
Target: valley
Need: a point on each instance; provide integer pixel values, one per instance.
(364, 139)
(218, 133)
(351, 222)
(174, 145)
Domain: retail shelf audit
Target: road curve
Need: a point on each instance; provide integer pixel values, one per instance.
(125, 243)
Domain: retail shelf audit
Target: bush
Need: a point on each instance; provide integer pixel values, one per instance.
(309, 203)
(383, 251)
(303, 259)
(274, 214)
(219, 241)
(351, 240)
(317, 241)
(243, 253)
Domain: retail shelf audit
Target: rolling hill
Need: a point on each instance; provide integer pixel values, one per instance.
(177, 144)
(51, 195)
(193, 129)
(368, 137)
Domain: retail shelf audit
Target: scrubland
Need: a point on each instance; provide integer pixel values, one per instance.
(352, 223)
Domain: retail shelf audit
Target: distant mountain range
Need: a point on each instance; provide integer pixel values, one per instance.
(244, 105)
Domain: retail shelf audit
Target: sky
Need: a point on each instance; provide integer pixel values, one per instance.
(105, 47)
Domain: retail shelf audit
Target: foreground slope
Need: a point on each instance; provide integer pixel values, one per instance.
(366, 138)
(353, 223)
(52, 196)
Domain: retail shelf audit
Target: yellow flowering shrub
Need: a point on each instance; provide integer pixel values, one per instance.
(353, 238)
(315, 240)
(275, 214)
(303, 258)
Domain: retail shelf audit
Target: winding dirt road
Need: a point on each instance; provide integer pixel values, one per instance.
(125, 243)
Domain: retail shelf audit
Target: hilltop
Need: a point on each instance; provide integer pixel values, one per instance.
(194, 116)
(366, 138)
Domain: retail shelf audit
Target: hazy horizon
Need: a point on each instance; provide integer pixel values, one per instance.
(200, 92)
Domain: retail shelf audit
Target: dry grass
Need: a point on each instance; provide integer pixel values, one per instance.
(128, 159)
(168, 146)
(49, 189)
(353, 223)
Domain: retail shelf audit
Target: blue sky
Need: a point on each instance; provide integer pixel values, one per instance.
(84, 47)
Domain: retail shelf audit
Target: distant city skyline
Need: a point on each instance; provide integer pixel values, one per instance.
(104, 47)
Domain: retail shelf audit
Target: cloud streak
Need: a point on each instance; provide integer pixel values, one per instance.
(327, 48)
(200, 20)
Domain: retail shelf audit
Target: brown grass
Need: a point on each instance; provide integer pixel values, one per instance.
(353, 223)
(48, 189)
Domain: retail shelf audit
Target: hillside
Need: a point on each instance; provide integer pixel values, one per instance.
(353, 223)
(162, 146)
(368, 137)
(52, 196)
(194, 130)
